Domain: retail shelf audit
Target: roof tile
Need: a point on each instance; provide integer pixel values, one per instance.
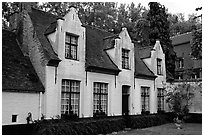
(17, 70)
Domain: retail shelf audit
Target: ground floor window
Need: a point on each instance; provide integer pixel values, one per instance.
(70, 97)
(100, 98)
(160, 98)
(145, 99)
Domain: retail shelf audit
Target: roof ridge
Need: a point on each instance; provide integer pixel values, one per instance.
(46, 12)
(144, 47)
(97, 28)
(181, 34)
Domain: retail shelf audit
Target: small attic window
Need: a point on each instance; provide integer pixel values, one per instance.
(125, 59)
(71, 44)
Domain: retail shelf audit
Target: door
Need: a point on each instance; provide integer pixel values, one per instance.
(125, 100)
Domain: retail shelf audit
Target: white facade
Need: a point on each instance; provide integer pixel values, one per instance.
(69, 69)
(123, 88)
(153, 85)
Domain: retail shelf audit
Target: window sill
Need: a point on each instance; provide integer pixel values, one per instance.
(126, 68)
(72, 59)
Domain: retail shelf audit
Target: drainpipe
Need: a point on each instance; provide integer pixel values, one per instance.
(40, 106)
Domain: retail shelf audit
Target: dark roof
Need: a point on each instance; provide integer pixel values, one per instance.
(44, 23)
(18, 73)
(180, 39)
(145, 52)
(141, 69)
(96, 56)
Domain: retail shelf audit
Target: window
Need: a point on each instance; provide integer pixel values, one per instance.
(160, 98)
(14, 118)
(100, 98)
(145, 98)
(180, 63)
(70, 97)
(71, 46)
(125, 59)
(159, 66)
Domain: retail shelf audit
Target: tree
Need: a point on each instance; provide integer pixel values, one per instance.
(197, 39)
(178, 97)
(159, 29)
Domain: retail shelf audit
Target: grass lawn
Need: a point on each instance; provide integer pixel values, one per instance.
(166, 129)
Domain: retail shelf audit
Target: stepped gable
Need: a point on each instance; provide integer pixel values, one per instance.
(18, 74)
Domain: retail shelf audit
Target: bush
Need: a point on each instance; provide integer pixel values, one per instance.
(84, 127)
(87, 126)
(193, 118)
(143, 121)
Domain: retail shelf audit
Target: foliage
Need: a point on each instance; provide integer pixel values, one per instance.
(159, 29)
(179, 97)
(86, 126)
(178, 25)
(82, 127)
(197, 44)
(143, 121)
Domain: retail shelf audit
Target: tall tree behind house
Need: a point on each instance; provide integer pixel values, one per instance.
(159, 29)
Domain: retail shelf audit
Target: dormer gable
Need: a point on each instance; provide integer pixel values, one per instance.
(122, 45)
(156, 59)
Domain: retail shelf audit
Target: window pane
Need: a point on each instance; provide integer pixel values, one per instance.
(67, 38)
(73, 40)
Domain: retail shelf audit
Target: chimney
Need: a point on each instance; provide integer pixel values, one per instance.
(13, 21)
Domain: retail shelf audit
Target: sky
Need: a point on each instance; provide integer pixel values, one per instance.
(174, 6)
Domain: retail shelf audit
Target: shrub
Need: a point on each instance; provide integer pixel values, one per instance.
(143, 121)
(193, 118)
(84, 127)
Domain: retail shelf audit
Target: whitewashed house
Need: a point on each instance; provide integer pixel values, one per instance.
(86, 71)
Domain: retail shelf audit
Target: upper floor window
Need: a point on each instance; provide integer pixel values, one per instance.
(125, 59)
(159, 66)
(181, 63)
(71, 43)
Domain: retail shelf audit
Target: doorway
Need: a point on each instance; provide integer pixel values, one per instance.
(125, 99)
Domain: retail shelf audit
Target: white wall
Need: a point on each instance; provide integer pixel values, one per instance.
(19, 104)
(151, 62)
(67, 68)
(137, 95)
(113, 94)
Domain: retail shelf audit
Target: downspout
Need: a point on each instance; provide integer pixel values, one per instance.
(40, 105)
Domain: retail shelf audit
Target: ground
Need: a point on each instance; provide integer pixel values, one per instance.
(166, 129)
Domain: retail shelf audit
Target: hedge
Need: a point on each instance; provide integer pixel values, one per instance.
(87, 126)
(84, 127)
(143, 121)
